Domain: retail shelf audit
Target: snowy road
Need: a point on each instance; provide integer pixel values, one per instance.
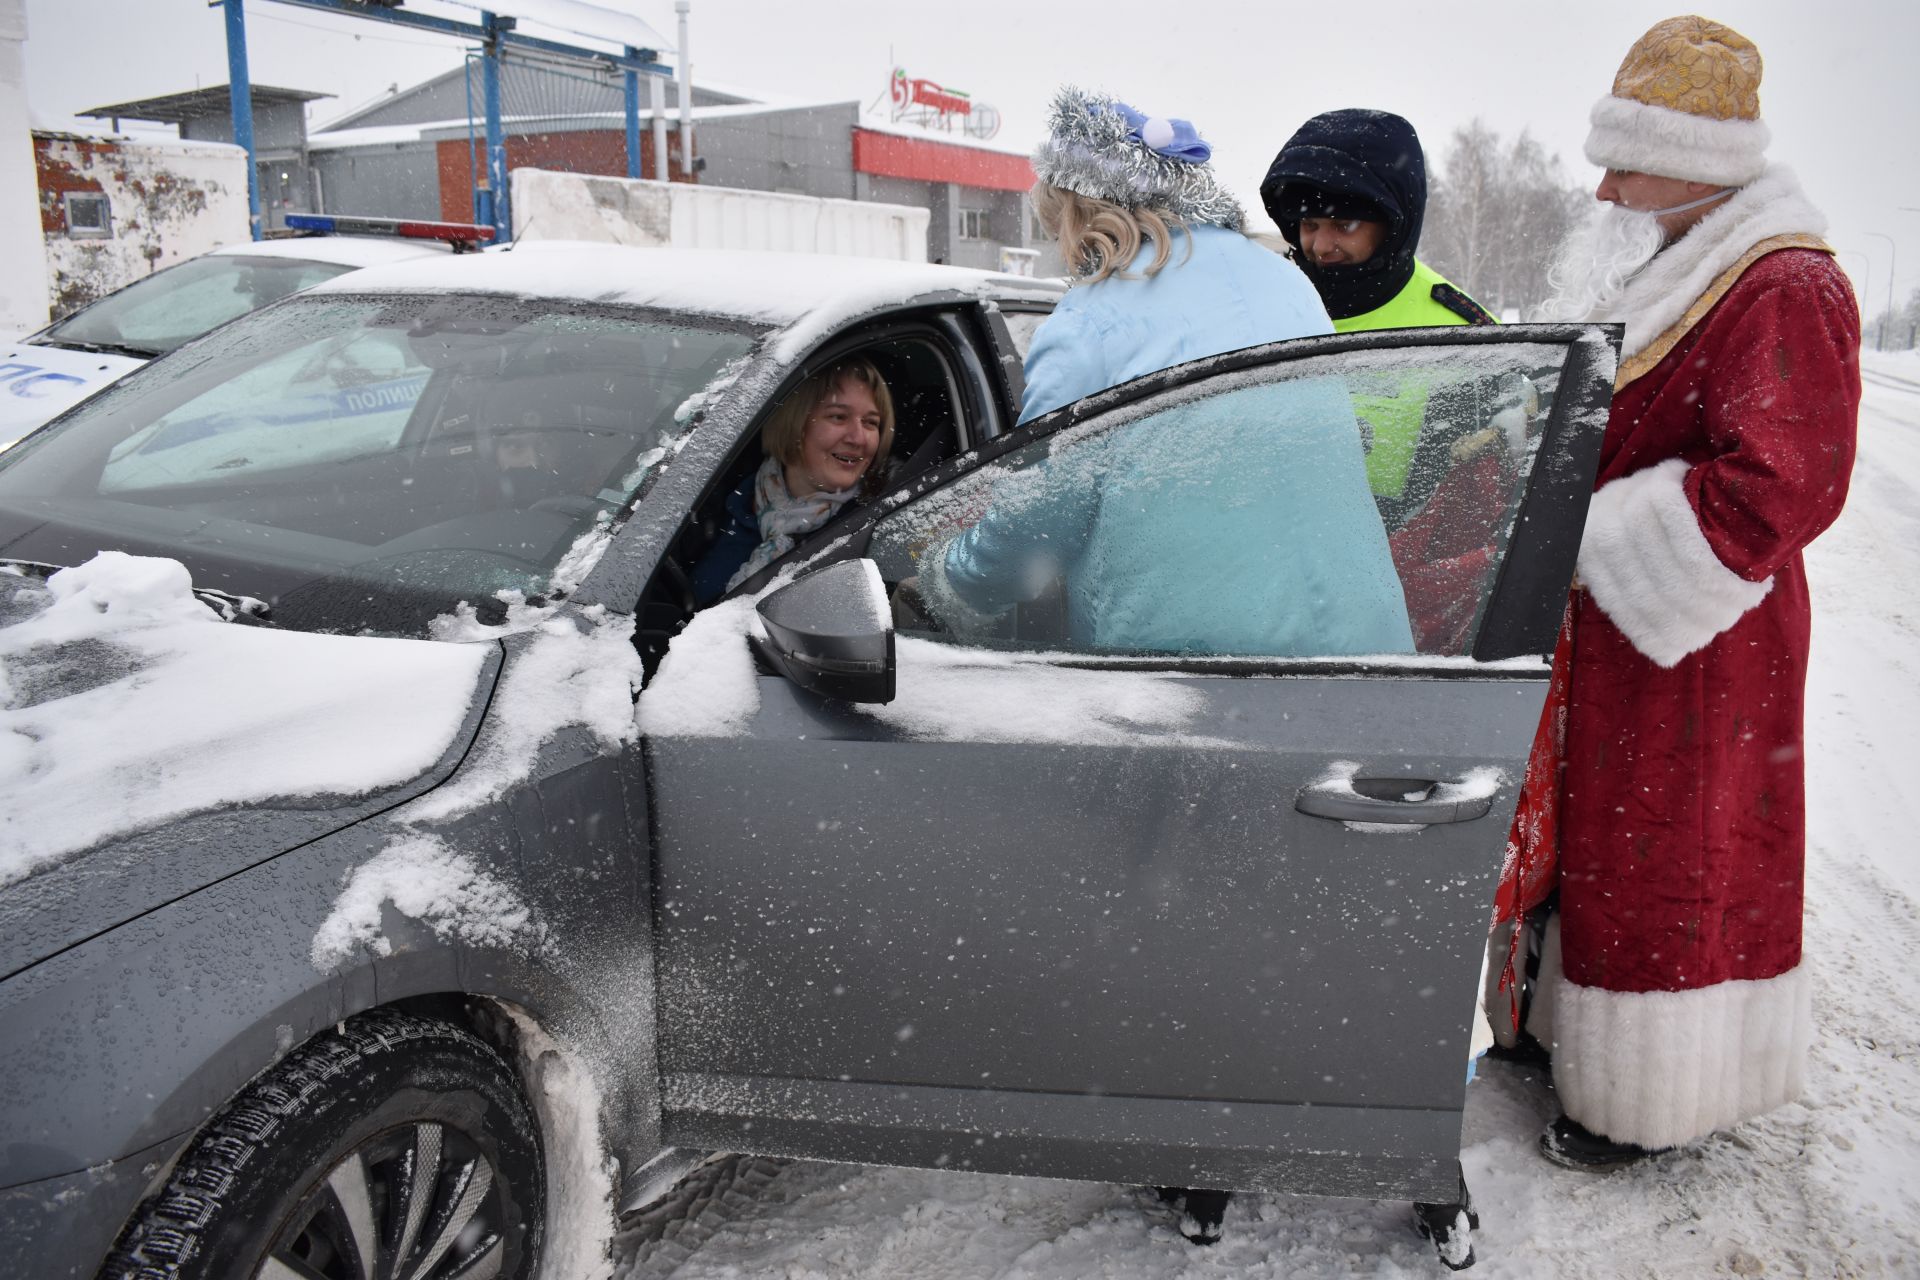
(1827, 1187)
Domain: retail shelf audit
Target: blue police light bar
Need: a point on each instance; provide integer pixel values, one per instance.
(461, 235)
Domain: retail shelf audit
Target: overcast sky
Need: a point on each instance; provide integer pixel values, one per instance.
(1839, 91)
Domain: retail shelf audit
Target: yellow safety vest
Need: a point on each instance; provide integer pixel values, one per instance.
(1395, 419)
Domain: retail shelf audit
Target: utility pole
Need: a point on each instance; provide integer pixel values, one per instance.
(1913, 330)
(1892, 259)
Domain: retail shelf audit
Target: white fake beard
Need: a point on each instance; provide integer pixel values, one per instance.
(1595, 264)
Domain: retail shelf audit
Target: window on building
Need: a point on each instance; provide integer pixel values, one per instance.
(1037, 232)
(89, 216)
(973, 224)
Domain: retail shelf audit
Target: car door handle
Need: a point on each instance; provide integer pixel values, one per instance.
(1400, 801)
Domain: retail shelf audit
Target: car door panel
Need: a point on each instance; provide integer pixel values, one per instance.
(1065, 914)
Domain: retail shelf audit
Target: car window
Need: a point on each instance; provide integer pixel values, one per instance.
(929, 426)
(348, 395)
(1021, 326)
(369, 463)
(1241, 515)
(169, 308)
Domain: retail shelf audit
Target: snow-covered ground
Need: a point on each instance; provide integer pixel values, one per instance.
(1827, 1187)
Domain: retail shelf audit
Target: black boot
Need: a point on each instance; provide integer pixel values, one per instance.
(1525, 1052)
(1572, 1145)
(1203, 1214)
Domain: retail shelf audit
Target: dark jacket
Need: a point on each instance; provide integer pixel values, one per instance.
(1353, 163)
(739, 535)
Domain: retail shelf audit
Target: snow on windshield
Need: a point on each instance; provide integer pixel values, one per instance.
(125, 701)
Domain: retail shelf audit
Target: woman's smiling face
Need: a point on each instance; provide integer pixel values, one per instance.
(838, 443)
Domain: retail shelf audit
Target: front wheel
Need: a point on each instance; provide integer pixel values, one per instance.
(393, 1148)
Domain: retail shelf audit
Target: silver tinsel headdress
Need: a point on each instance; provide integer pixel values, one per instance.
(1100, 147)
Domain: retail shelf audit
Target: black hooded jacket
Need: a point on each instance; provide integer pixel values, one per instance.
(1353, 163)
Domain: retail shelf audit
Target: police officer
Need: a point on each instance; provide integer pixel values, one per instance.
(1349, 194)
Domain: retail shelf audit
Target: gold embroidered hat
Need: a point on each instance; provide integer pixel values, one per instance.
(1685, 104)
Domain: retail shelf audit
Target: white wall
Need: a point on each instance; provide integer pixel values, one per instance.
(170, 201)
(570, 206)
(23, 275)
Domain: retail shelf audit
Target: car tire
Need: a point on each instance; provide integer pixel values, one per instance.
(393, 1146)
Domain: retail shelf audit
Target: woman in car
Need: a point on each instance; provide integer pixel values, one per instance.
(1240, 524)
(826, 446)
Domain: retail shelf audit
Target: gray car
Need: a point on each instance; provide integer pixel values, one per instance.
(457, 951)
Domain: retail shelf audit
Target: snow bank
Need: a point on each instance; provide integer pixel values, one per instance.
(125, 702)
(580, 1173)
(425, 880)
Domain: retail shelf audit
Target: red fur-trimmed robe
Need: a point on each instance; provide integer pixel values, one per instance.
(1675, 989)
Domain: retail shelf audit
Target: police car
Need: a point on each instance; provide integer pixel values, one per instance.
(44, 373)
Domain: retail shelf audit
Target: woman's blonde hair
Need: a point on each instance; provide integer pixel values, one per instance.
(1099, 238)
(786, 427)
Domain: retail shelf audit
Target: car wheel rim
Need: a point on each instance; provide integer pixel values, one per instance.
(421, 1202)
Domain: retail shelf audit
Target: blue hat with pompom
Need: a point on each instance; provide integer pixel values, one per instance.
(1103, 148)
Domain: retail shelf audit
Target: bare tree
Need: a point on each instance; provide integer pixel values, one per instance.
(1496, 213)
(1898, 329)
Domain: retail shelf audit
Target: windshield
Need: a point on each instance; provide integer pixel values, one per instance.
(366, 464)
(155, 315)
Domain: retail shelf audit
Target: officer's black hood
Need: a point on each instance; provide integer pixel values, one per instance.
(1353, 163)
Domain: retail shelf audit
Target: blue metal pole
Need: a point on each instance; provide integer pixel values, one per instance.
(240, 91)
(482, 216)
(633, 117)
(497, 214)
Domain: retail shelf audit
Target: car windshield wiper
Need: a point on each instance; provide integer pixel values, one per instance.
(235, 608)
(32, 568)
(101, 348)
(250, 610)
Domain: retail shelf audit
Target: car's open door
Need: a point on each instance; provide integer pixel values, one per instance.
(1156, 868)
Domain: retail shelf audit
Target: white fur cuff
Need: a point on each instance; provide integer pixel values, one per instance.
(1660, 1068)
(1675, 144)
(1648, 566)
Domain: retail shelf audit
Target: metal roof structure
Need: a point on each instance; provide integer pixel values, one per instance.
(197, 104)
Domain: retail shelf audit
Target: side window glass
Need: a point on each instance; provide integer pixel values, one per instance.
(1021, 326)
(1243, 515)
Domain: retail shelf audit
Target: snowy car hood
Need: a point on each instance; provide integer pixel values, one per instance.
(147, 749)
(39, 381)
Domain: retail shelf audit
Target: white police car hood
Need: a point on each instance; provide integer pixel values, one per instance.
(39, 380)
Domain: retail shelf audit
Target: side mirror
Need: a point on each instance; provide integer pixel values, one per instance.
(831, 632)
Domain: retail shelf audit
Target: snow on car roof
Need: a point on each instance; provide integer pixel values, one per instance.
(770, 288)
(347, 251)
